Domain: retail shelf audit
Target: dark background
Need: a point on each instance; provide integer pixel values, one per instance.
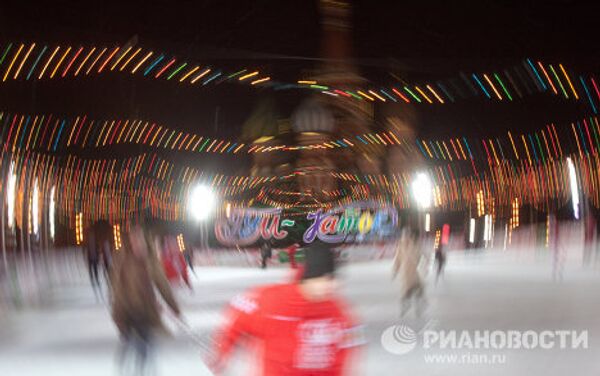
(418, 40)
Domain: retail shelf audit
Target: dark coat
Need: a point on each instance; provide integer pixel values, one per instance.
(134, 301)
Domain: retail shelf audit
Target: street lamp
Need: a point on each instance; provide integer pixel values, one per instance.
(574, 187)
(35, 208)
(422, 190)
(201, 202)
(11, 193)
(472, 231)
(52, 211)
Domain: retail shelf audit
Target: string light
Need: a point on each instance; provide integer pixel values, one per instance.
(492, 85)
(37, 60)
(202, 74)
(48, 62)
(185, 76)
(153, 64)
(117, 236)
(160, 72)
(60, 62)
(256, 82)
(24, 59)
(423, 94)
(95, 60)
(365, 95)
(503, 87)
(12, 62)
(217, 74)
(242, 78)
(480, 204)
(180, 243)
(121, 56)
(515, 213)
(547, 77)
(71, 62)
(112, 54)
(377, 95)
(481, 86)
(85, 59)
(79, 228)
(562, 88)
(435, 94)
(412, 94)
(129, 59)
(569, 81)
(141, 62)
(176, 71)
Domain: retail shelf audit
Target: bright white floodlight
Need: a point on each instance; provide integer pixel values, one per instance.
(422, 190)
(52, 211)
(472, 231)
(35, 207)
(201, 202)
(11, 193)
(574, 188)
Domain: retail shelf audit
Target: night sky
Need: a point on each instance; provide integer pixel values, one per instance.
(417, 40)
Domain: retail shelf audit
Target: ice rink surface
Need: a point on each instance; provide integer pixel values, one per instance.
(72, 333)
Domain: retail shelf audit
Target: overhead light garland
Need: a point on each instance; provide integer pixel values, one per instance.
(526, 78)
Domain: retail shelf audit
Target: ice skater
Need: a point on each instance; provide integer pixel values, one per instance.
(266, 253)
(406, 263)
(93, 255)
(301, 328)
(135, 309)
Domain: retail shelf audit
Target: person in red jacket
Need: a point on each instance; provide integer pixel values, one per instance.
(174, 263)
(299, 329)
(292, 249)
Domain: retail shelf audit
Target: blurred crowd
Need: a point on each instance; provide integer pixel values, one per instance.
(302, 324)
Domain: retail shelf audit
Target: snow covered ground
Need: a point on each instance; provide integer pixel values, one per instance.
(72, 334)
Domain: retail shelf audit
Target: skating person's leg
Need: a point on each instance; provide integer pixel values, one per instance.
(143, 349)
(420, 300)
(126, 346)
(440, 260)
(96, 275)
(94, 279)
(438, 267)
(406, 301)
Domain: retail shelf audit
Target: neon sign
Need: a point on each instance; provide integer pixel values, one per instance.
(355, 223)
(245, 228)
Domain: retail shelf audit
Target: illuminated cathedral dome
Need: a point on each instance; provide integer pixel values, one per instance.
(313, 116)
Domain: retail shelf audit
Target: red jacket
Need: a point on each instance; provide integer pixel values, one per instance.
(175, 267)
(296, 337)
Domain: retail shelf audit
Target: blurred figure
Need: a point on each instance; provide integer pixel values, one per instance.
(93, 254)
(302, 328)
(590, 238)
(188, 254)
(291, 250)
(265, 253)
(558, 256)
(406, 263)
(135, 309)
(174, 262)
(440, 252)
(104, 242)
(99, 253)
